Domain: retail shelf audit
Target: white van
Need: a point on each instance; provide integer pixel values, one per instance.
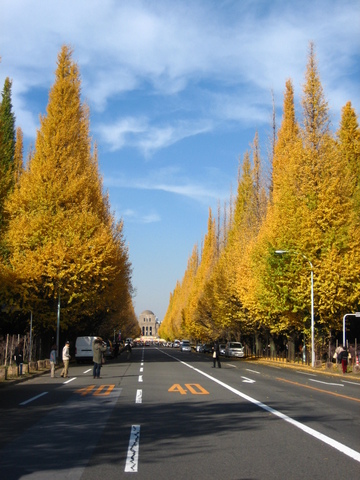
(83, 349)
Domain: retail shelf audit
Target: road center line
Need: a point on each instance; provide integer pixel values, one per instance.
(33, 398)
(132, 459)
(138, 398)
(310, 431)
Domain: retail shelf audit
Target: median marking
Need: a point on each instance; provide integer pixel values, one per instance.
(132, 458)
(138, 398)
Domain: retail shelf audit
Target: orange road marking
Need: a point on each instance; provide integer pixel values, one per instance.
(319, 390)
(98, 393)
(85, 391)
(201, 390)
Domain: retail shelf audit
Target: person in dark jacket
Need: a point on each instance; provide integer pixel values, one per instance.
(98, 347)
(216, 354)
(344, 359)
(19, 353)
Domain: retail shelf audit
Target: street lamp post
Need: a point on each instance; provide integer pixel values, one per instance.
(58, 326)
(281, 252)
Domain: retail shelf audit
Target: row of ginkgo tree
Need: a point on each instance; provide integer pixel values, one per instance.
(238, 285)
(60, 244)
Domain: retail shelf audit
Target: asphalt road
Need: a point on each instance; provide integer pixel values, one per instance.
(166, 414)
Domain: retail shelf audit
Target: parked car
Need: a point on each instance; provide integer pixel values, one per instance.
(222, 347)
(110, 350)
(200, 347)
(207, 348)
(176, 343)
(185, 346)
(234, 349)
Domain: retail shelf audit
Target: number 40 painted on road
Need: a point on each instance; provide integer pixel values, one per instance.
(193, 388)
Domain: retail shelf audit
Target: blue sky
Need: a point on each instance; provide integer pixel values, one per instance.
(176, 90)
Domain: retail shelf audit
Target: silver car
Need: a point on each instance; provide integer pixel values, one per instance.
(185, 346)
(234, 349)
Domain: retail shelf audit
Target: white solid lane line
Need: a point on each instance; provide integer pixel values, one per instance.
(33, 398)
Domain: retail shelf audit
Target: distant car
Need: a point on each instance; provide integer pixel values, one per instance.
(185, 346)
(222, 347)
(234, 349)
(207, 348)
(200, 347)
(176, 343)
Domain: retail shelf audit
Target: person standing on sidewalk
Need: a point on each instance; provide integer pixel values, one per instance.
(98, 347)
(216, 354)
(53, 360)
(19, 354)
(66, 359)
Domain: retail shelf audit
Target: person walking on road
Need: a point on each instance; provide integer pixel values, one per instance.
(98, 348)
(19, 354)
(53, 360)
(344, 359)
(216, 354)
(66, 359)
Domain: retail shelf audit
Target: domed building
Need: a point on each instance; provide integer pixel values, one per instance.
(148, 323)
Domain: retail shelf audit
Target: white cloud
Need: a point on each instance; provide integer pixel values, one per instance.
(122, 46)
(136, 217)
(139, 133)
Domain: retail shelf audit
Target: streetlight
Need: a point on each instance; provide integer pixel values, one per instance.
(281, 252)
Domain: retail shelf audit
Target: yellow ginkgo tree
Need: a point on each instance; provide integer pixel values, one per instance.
(63, 241)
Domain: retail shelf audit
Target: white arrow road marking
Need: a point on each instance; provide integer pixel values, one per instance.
(248, 380)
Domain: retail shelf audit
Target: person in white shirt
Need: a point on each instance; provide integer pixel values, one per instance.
(66, 359)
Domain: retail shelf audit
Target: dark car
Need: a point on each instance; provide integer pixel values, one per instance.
(208, 348)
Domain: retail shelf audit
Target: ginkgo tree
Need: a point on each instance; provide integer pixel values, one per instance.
(63, 241)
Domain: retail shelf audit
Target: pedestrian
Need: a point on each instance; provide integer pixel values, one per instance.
(53, 360)
(216, 354)
(338, 352)
(344, 359)
(98, 347)
(128, 348)
(19, 353)
(66, 359)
